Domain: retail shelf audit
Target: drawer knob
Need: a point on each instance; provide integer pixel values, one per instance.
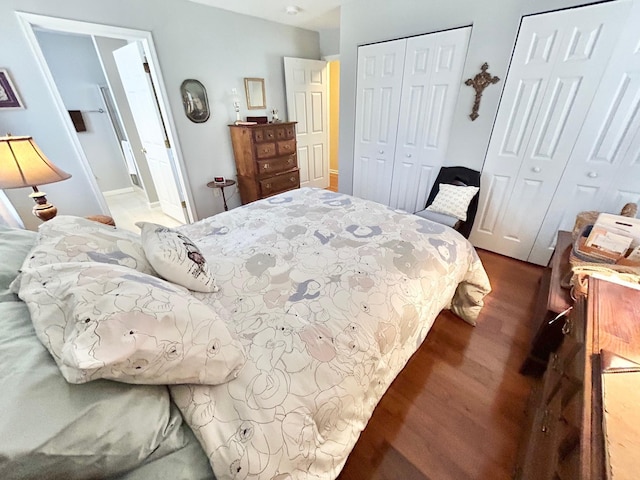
(536, 169)
(380, 152)
(292, 179)
(592, 175)
(268, 185)
(545, 422)
(566, 328)
(265, 166)
(289, 160)
(408, 155)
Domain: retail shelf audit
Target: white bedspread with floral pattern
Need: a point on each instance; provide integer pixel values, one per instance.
(330, 296)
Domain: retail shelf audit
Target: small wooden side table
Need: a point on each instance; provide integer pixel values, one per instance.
(222, 186)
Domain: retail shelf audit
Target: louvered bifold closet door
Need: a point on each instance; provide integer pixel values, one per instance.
(603, 172)
(380, 69)
(557, 65)
(430, 87)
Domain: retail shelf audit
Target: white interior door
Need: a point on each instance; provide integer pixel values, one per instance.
(379, 87)
(556, 68)
(603, 172)
(144, 108)
(431, 83)
(307, 90)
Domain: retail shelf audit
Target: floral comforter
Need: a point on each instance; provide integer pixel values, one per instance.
(330, 295)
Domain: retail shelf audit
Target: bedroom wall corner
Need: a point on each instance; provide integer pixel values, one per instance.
(192, 40)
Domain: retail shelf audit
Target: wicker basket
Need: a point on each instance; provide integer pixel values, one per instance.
(582, 266)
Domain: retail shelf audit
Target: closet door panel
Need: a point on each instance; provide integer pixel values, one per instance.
(432, 79)
(379, 86)
(603, 172)
(556, 68)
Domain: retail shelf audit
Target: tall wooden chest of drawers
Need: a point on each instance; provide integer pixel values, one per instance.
(266, 159)
(571, 432)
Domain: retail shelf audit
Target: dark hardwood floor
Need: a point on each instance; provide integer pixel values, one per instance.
(457, 409)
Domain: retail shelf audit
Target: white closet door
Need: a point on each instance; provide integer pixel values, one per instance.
(380, 68)
(557, 65)
(603, 172)
(431, 83)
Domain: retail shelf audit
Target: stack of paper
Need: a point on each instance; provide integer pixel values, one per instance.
(612, 237)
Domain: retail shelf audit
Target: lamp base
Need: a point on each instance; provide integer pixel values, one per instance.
(42, 209)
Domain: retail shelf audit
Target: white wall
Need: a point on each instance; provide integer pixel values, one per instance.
(329, 42)
(217, 47)
(105, 47)
(495, 27)
(76, 69)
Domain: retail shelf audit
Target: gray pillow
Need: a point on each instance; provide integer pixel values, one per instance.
(14, 246)
(52, 429)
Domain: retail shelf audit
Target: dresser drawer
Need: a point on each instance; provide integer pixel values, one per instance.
(264, 135)
(265, 150)
(276, 165)
(286, 147)
(280, 183)
(285, 132)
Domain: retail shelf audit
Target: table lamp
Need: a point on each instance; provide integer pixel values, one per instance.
(22, 164)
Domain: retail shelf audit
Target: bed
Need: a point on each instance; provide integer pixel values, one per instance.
(321, 299)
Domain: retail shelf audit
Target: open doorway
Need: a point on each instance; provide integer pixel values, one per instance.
(95, 109)
(333, 67)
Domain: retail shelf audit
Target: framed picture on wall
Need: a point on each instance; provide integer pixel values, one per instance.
(8, 94)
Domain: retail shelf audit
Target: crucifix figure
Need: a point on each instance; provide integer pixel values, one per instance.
(479, 83)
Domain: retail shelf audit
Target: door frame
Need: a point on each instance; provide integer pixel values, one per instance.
(291, 112)
(330, 140)
(28, 21)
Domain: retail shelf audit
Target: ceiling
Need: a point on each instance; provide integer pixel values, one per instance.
(313, 14)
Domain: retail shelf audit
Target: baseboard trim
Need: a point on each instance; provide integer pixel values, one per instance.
(111, 193)
(154, 204)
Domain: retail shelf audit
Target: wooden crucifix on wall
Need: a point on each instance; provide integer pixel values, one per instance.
(479, 83)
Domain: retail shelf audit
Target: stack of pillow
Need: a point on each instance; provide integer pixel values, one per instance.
(108, 305)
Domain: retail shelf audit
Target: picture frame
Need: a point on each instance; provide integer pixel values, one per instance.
(9, 98)
(194, 100)
(254, 90)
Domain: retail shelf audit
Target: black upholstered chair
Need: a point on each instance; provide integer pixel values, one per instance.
(461, 176)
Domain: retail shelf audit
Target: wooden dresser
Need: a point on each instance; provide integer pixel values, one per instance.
(577, 429)
(266, 159)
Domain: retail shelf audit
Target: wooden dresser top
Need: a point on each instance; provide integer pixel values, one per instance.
(615, 340)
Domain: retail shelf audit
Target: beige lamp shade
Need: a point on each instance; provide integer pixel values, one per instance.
(22, 164)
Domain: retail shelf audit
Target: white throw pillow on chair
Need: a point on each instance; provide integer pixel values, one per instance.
(453, 200)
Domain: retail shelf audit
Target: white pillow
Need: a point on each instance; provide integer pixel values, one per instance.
(75, 239)
(452, 200)
(108, 321)
(176, 258)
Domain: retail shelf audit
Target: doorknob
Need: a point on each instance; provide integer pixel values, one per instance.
(592, 174)
(536, 169)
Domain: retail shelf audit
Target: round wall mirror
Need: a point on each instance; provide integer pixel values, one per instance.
(194, 99)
